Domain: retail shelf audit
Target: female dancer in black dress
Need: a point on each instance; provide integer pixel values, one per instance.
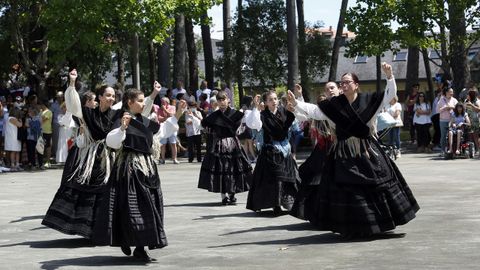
(275, 178)
(225, 168)
(88, 165)
(132, 212)
(361, 191)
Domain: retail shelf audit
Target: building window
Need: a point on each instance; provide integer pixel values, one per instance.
(400, 56)
(360, 59)
(219, 45)
(433, 55)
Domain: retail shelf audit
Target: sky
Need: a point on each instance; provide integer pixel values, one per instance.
(326, 11)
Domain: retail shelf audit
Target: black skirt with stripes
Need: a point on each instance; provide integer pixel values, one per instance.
(357, 205)
(132, 212)
(225, 168)
(74, 206)
(275, 180)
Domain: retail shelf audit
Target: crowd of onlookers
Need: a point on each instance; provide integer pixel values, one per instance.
(454, 118)
(36, 133)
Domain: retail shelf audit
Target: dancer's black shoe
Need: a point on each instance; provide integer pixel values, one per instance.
(141, 255)
(126, 250)
(225, 201)
(232, 200)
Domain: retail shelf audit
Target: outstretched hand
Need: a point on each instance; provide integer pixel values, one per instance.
(387, 69)
(256, 102)
(298, 91)
(291, 98)
(73, 77)
(125, 120)
(182, 107)
(157, 86)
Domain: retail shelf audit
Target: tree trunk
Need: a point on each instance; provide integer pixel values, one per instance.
(428, 72)
(135, 61)
(305, 80)
(207, 50)
(179, 51)
(458, 50)
(33, 54)
(378, 64)
(239, 50)
(332, 76)
(152, 65)
(192, 55)
(292, 44)
(121, 68)
(412, 68)
(227, 27)
(443, 47)
(163, 62)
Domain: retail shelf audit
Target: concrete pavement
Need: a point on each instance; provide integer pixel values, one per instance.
(204, 235)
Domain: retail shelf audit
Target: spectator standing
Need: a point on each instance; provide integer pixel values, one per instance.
(472, 105)
(436, 115)
(66, 124)
(422, 123)
(395, 110)
(12, 144)
(34, 131)
(445, 106)
(46, 116)
(56, 111)
(179, 90)
(193, 124)
(203, 90)
(166, 111)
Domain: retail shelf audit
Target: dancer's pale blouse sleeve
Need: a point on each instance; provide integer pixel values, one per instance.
(115, 138)
(311, 111)
(147, 109)
(253, 119)
(390, 91)
(72, 102)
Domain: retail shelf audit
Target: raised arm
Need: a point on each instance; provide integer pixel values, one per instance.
(150, 99)
(72, 99)
(391, 89)
(253, 119)
(305, 110)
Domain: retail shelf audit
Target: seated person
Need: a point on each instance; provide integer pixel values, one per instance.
(459, 119)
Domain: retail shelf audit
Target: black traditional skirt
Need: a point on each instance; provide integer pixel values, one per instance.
(225, 168)
(74, 206)
(357, 205)
(132, 214)
(275, 180)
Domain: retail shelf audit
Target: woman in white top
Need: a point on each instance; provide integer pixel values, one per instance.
(12, 144)
(67, 124)
(422, 123)
(395, 109)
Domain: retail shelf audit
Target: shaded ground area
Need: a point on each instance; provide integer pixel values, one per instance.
(204, 235)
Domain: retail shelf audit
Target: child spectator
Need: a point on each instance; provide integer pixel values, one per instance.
(34, 131)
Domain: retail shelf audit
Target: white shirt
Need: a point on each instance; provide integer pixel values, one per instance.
(176, 91)
(421, 119)
(204, 91)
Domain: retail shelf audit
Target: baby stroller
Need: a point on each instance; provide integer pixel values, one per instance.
(467, 147)
(385, 122)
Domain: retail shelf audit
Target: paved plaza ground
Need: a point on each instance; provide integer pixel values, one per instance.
(204, 235)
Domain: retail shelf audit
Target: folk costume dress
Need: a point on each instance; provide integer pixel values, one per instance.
(275, 178)
(225, 168)
(86, 171)
(361, 190)
(310, 171)
(132, 212)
